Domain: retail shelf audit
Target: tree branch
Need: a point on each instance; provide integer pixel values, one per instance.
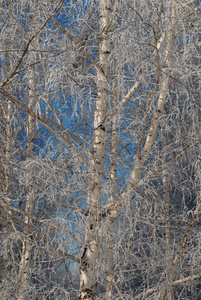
(44, 120)
(27, 47)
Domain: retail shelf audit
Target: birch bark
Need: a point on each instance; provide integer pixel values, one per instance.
(166, 198)
(24, 271)
(5, 184)
(88, 277)
(25, 263)
(113, 162)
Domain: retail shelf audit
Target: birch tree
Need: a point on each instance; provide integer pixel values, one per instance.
(100, 155)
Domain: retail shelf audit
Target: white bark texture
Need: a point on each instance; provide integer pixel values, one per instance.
(25, 263)
(88, 276)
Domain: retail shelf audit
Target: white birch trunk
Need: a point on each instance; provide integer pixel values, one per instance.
(166, 198)
(6, 185)
(113, 162)
(24, 271)
(26, 242)
(88, 277)
(170, 42)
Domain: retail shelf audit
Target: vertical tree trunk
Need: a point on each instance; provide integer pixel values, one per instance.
(166, 198)
(6, 182)
(170, 42)
(5, 186)
(24, 271)
(113, 151)
(88, 276)
(26, 242)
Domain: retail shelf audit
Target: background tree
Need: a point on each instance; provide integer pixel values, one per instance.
(100, 149)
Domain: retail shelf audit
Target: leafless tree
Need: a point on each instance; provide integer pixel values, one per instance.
(100, 149)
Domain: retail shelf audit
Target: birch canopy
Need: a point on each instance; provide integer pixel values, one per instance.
(100, 180)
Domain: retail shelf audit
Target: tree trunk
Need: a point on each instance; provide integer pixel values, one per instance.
(6, 182)
(24, 271)
(168, 288)
(26, 242)
(167, 227)
(113, 163)
(88, 276)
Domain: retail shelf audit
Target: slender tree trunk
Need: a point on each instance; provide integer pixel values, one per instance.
(170, 42)
(88, 276)
(166, 198)
(5, 187)
(24, 271)
(6, 183)
(113, 158)
(110, 225)
(26, 242)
